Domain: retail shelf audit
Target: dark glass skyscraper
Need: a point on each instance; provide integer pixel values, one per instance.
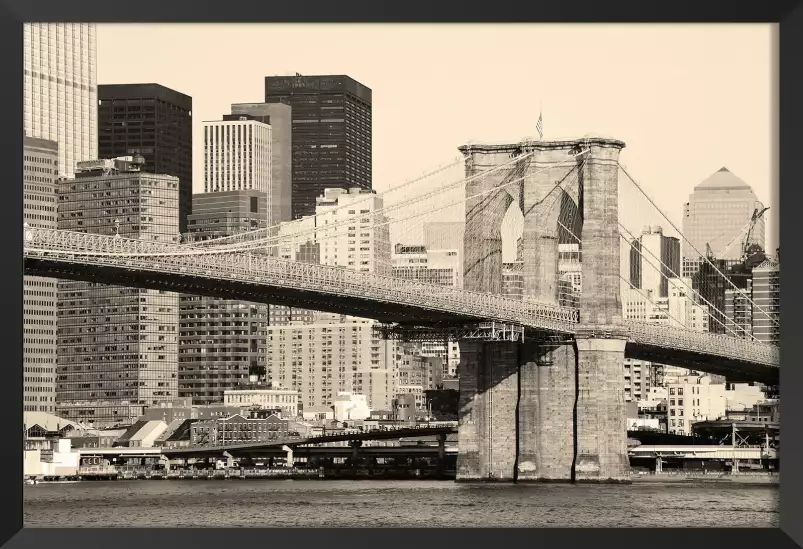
(155, 122)
(331, 134)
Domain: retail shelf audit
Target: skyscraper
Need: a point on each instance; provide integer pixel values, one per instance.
(278, 116)
(40, 173)
(237, 156)
(118, 347)
(155, 122)
(715, 215)
(60, 94)
(766, 313)
(331, 134)
(221, 341)
(654, 259)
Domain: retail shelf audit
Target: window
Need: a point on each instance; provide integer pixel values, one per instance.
(254, 204)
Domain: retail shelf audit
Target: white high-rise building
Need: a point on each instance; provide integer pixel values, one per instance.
(323, 359)
(237, 156)
(60, 89)
(348, 240)
(40, 172)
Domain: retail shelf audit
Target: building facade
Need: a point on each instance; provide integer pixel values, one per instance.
(331, 140)
(739, 312)
(237, 155)
(40, 205)
(766, 309)
(60, 89)
(717, 212)
(279, 117)
(221, 342)
(118, 347)
(347, 240)
(323, 359)
(155, 122)
(263, 396)
(654, 259)
(238, 429)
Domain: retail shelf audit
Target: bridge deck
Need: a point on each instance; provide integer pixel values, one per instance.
(262, 278)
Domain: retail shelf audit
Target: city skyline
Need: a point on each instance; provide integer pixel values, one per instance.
(708, 91)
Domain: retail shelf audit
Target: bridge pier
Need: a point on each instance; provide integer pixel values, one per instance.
(487, 427)
(601, 416)
(546, 412)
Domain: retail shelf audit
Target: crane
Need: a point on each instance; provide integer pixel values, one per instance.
(749, 226)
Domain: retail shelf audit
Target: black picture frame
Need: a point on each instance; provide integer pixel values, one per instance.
(789, 15)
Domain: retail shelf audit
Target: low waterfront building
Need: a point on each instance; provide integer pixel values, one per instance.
(263, 395)
(142, 434)
(95, 438)
(239, 429)
(349, 406)
(56, 461)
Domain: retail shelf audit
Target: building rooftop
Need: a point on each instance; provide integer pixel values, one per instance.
(722, 179)
(47, 422)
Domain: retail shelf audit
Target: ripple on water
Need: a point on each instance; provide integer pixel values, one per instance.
(396, 504)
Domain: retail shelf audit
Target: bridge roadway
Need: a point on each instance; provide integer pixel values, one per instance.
(265, 279)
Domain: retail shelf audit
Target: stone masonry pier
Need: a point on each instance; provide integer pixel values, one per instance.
(546, 410)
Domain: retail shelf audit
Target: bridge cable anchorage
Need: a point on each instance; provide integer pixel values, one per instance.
(704, 256)
(180, 250)
(274, 240)
(439, 169)
(693, 294)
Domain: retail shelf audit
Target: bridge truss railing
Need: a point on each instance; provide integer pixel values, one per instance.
(677, 338)
(114, 251)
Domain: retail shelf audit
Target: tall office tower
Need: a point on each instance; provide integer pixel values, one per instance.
(767, 302)
(117, 346)
(714, 218)
(155, 122)
(221, 342)
(331, 134)
(654, 259)
(61, 98)
(237, 156)
(279, 117)
(40, 174)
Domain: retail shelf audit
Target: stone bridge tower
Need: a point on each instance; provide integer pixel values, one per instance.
(548, 408)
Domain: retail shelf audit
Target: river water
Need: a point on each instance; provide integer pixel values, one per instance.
(300, 503)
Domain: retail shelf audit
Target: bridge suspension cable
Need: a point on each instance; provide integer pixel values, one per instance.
(183, 250)
(629, 238)
(269, 236)
(703, 256)
(267, 231)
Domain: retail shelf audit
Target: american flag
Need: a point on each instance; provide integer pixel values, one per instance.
(540, 126)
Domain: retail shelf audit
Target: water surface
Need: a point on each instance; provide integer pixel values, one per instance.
(311, 503)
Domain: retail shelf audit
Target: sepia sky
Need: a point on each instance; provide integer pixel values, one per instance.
(686, 99)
